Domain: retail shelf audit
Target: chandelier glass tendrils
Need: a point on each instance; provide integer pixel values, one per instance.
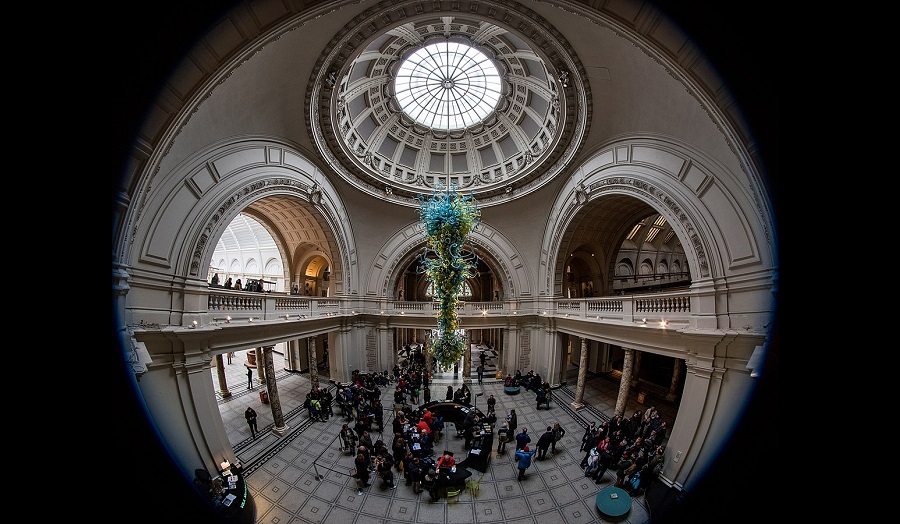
(448, 217)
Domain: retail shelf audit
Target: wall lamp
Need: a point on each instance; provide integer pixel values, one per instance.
(193, 324)
(228, 319)
(663, 323)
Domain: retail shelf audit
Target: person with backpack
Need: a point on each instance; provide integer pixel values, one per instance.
(558, 434)
(522, 439)
(502, 438)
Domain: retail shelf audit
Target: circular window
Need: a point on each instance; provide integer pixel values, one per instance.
(447, 86)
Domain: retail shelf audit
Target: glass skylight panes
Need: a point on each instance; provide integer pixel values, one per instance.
(447, 86)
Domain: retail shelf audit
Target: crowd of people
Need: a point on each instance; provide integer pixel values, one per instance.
(253, 284)
(630, 447)
(633, 448)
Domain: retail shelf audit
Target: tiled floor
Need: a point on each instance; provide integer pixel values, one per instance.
(302, 477)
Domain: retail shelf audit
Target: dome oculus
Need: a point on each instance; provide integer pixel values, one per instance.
(447, 86)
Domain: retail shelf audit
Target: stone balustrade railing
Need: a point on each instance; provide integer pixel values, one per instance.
(655, 307)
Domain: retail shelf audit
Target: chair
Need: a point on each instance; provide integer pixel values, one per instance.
(474, 486)
(453, 492)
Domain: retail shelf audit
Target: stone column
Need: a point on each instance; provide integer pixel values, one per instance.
(582, 376)
(676, 374)
(220, 373)
(279, 427)
(260, 367)
(313, 363)
(637, 368)
(467, 359)
(625, 384)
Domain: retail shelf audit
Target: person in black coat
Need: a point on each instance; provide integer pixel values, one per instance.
(429, 482)
(543, 443)
(362, 471)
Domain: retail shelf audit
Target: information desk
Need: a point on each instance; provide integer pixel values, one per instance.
(613, 501)
(456, 479)
(450, 411)
(235, 503)
(480, 455)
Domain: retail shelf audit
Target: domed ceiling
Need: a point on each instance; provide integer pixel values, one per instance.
(485, 101)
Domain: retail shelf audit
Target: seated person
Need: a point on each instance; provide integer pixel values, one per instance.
(508, 383)
(446, 460)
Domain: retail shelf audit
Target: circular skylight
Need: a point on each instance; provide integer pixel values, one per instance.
(448, 86)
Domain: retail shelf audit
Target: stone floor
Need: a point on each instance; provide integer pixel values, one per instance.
(301, 476)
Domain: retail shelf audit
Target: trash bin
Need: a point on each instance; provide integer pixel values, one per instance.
(641, 396)
(264, 396)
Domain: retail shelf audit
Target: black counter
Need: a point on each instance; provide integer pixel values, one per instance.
(450, 411)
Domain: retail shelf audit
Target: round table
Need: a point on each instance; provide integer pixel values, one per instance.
(613, 501)
(511, 390)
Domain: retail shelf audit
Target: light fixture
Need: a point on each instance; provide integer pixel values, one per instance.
(193, 324)
(483, 312)
(228, 320)
(563, 78)
(250, 320)
(663, 323)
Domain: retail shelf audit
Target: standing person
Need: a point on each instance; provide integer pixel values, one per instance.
(513, 422)
(522, 439)
(483, 358)
(362, 472)
(249, 378)
(415, 475)
(588, 432)
(558, 434)
(426, 394)
(429, 482)
(480, 372)
(250, 415)
(491, 402)
(543, 443)
(449, 396)
(502, 437)
(622, 470)
(230, 355)
(523, 460)
(348, 437)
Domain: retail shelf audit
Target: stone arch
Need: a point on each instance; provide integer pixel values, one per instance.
(498, 252)
(712, 213)
(200, 198)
